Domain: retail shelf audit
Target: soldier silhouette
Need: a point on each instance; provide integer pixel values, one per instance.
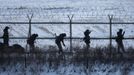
(119, 38)
(6, 36)
(31, 41)
(87, 38)
(58, 41)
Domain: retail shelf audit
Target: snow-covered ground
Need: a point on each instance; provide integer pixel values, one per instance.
(57, 11)
(62, 68)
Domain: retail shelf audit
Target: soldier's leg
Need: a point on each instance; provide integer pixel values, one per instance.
(122, 47)
(60, 48)
(6, 42)
(118, 48)
(31, 47)
(88, 46)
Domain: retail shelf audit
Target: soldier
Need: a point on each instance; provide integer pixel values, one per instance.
(6, 36)
(58, 41)
(119, 38)
(87, 38)
(31, 41)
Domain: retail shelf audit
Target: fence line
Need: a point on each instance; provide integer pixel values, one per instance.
(92, 38)
(70, 23)
(67, 23)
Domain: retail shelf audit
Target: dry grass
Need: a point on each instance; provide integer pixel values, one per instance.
(102, 54)
(87, 59)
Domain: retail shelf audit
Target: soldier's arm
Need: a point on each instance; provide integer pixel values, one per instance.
(63, 42)
(123, 33)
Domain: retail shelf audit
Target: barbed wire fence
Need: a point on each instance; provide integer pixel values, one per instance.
(70, 23)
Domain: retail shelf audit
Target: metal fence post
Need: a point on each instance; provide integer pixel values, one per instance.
(110, 23)
(70, 19)
(30, 19)
(29, 34)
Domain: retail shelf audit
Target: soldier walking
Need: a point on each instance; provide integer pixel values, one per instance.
(6, 36)
(119, 40)
(59, 41)
(31, 41)
(87, 38)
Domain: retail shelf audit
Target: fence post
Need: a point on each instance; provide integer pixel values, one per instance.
(110, 23)
(29, 34)
(30, 19)
(70, 19)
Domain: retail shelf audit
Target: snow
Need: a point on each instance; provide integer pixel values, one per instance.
(57, 11)
(68, 69)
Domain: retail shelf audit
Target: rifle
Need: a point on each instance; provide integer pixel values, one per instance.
(123, 33)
